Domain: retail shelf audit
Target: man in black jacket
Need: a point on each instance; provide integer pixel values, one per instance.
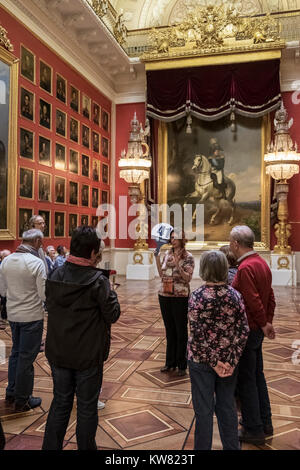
(81, 308)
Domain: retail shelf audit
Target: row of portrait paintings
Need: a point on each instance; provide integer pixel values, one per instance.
(60, 219)
(45, 193)
(89, 111)
(89, 138)
(60, 160)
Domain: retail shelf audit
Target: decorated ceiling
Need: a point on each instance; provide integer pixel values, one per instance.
(140, 14)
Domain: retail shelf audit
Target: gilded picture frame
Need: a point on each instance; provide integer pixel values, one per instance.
(9, 71)
(262, 242)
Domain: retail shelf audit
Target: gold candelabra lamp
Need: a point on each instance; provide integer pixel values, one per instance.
(282, 162)
(134, 168)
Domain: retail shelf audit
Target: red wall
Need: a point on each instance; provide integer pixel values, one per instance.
(124, 115)
(18, 35)
(293, 110)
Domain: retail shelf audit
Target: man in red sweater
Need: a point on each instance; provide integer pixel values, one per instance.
(253, 280)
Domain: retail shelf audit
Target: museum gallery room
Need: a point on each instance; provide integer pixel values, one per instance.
(142, 119)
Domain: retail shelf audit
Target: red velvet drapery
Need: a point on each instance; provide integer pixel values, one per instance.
(210, 92)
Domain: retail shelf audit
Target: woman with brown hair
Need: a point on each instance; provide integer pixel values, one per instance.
(176, 272)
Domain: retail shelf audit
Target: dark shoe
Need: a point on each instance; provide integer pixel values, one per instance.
(167, 369)
(181, 372)
(268, 430)
(9, 399)
(31, 403)
(255, 439)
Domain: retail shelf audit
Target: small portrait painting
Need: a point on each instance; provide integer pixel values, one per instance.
(104, 147)
(85, 136)
(60, 157)
(74, 99)
(59, 224)
(72, 223)
(26, 144)
(61, 123)
(60, 190)
(104, 197)
(105, 121)
(95, 198)
(44, 151)
(27, 64)
(26, 183)
(61, 88)
(74, 162)
(27, 104)
(73, 192)
(96, 114)
(94, 221)
(95, 142)
(44, 187)
(74, 130)
(85, 195)
(105, 173)
(45, 114)
(45, 77)
(84, 220)
(24, 217)
(86, 106)
(96, 170)
(46, 217)
(85, 166)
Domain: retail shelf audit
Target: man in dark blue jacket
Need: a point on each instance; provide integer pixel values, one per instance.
(81, 308)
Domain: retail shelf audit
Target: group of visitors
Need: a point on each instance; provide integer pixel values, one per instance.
(81, 307)
(229, 316)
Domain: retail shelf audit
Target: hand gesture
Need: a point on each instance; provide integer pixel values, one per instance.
(223, 369)
(269, 331)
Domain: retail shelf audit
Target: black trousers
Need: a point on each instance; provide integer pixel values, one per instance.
(174, 311)
(2, 438)
(86, 384)
(252, 388)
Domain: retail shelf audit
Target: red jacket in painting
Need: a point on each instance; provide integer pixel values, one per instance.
(253, 280)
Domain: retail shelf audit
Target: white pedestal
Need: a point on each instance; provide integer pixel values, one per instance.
(283, 268)
(140, 265)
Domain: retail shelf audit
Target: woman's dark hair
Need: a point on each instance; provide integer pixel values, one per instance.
(229, 255)
(84, 241)
(60, 250)
(180, 235)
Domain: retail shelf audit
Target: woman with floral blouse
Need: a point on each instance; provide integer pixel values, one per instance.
(218, 335)
(176, 272)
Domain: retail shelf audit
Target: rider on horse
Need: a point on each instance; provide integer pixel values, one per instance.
(217, 161)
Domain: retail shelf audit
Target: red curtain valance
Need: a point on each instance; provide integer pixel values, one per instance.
(210, 92)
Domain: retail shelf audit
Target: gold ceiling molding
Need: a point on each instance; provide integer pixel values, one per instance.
(214, 31)
(4, 41)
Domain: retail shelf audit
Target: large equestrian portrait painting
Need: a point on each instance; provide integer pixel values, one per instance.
(219, 168)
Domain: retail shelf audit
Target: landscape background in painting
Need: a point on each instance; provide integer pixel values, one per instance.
(242, 150)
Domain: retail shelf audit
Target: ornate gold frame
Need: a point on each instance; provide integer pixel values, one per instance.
(10, 232)
(264, 244)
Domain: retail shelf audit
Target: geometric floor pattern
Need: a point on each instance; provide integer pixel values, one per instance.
(146, 409)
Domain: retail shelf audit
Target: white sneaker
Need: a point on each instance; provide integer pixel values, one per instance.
(100, 405)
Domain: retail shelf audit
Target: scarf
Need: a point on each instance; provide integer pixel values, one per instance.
(79, 261)
(23, 248)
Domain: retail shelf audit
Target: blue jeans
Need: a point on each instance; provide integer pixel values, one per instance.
(26, 337)
(66, 382)
(211, 393)
(252, 388)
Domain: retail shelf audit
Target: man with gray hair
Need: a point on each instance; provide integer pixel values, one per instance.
(253, 280)
(37, 222)
(22, 281)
